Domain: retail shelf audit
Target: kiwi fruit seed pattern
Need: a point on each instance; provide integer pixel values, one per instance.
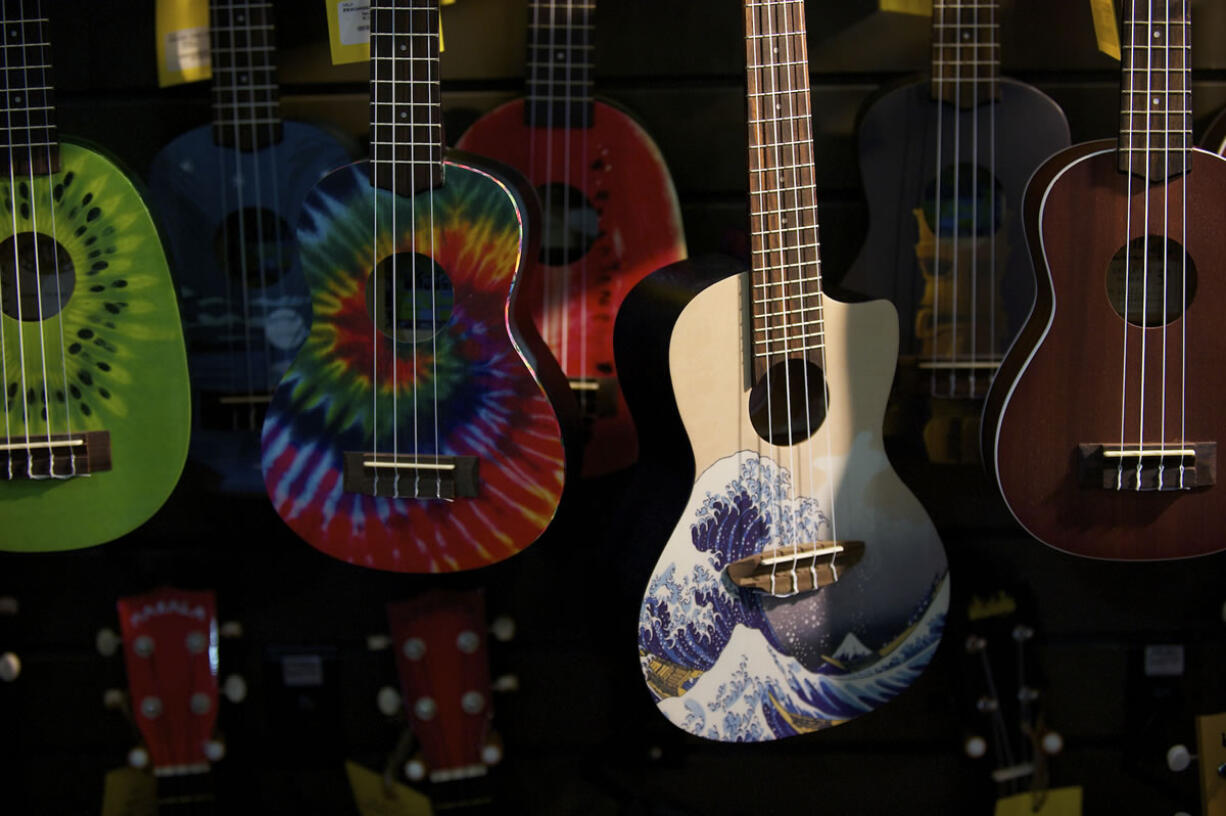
(98, 347)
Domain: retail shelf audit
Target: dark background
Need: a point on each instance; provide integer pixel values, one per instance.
(582, 735)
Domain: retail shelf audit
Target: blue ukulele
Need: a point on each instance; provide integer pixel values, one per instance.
(228, 195)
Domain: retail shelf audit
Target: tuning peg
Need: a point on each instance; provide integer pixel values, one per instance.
(1051, 742)
(389, 701)
(378, 643)
(503, 628)
(107, 642)
(976, 644)
(235, 688)
(231, 629)
(491, 752)
(10, 667)
(114, 698)
(975, 746)
(138, 757)
(1022, 633)
(987, 704)
(415, 769)
(8, 605)
(1178, 758)
(215, 749)
(1027, 694)
(506, 682)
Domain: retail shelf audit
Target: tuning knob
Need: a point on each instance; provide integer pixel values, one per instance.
(107, 642)
(138, 757)
(215, 750)
(415, 769)
(1178, 758)
(976, 644)
(1052, 743)
(491, 752)
(975, 746)
(10, 667)
(503, 628)
(389, 701)
(234, 688)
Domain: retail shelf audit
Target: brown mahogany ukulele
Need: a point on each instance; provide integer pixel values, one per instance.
(1103, 422)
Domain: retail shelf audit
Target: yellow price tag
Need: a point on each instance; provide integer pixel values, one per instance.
(920, 8)
(375, 796)
(349, 30)
(182, 28)
(129, 792)
(1105, 28)
(1051, 802)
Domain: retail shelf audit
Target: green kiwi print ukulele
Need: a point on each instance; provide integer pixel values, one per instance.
(95, 415)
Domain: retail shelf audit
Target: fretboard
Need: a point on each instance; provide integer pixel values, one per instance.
(31, 144)
(561, 60)
(246, 111)
(786, 289)
(1156, 97)
(406, 112)
(965, 51)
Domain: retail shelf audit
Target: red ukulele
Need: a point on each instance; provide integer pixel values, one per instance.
(611, 214)
(170, 646)
(1103, 422)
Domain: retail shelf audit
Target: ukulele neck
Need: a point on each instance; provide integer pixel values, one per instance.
(1155, 95)
(561, 59)
(965, 52)
(32, 144)
(246, 102)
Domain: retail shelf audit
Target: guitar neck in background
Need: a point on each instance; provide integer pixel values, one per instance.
(246, 101)
(561, 62)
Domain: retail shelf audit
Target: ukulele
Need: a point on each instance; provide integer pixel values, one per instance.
(415, 430)
(611, 213)
(228, 194)
(803, 585)
(1102, 425)
(439, 639)
(95, 403)
(945, 160)
(170, 644)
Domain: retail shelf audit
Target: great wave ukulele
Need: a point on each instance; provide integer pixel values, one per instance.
(804, 585)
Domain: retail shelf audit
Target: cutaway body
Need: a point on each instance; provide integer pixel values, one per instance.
(469, 379)
(735, 664)
(611, 217)
(1075, 377)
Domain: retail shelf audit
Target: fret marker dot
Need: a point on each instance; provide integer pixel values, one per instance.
(966, 35)
(1157, 101)
(404, 47)
(13, 33)
(404, 115)
(17, 99)
(242, 77)
(561, 55)
(240, 18)
(1157, 35)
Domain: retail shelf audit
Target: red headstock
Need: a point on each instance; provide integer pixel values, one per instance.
(170, 652)
(440, 643)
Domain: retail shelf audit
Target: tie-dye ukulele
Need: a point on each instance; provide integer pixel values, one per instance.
(804, 585)
(228, 194)
(414, 430)
(610, 213)
(95, 406)
(945, 160)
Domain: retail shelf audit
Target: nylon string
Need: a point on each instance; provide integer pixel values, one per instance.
(939, 79)
(5, 396)
(1149, 147)
(1128, 142)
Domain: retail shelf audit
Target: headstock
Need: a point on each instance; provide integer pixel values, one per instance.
(439, 640)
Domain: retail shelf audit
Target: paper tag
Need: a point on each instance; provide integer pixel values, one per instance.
(1105, 28)
(375, 797)
(1051, 802)
(182, 28)
(129, 792)
(349, 30)
(302, 670)
(920, 8)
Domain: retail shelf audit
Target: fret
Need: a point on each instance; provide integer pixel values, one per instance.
(30, 142)
(965, 49)
(789, 282)
(799, 337)
(797, 350)
(794, 248)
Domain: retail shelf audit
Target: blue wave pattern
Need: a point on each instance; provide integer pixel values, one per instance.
(738, 682)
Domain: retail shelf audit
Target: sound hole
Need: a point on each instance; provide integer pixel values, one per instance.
(978, 208)
(409, 297)
(1151, 269)
(572, 224)
(29, 265)
(797, 402)
(256, 247)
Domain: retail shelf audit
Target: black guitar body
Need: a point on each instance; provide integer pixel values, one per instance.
(898, 145)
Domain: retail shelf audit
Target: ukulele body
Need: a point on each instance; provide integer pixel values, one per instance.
(733, 665)
(1060, 384)
(111, 359)
(483, 377)
(610, 185)
(229, 216)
